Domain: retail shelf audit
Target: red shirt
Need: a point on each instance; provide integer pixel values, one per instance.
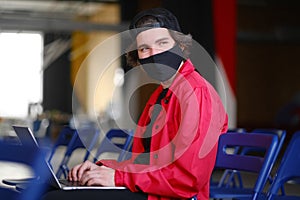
(183, 144)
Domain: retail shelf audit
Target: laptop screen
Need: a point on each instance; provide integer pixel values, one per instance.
(25, 135)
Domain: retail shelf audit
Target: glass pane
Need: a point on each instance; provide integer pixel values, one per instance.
(21, 58)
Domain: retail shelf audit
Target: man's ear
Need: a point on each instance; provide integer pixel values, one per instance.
(181, 47)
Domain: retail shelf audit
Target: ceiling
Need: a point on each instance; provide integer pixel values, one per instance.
(52, 15)
(60, 15)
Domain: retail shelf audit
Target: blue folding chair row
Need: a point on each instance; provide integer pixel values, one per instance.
(87, 138)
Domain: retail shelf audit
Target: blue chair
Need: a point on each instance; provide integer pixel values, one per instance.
(116, 141)
(32, 158)
(84, 138)
(288, 171)
(233, 178)
(259, 165)
(281, 134)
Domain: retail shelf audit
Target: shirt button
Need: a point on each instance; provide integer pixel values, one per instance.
(157, 126)
(155, 156)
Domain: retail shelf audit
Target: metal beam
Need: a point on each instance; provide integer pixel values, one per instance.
(54, 25)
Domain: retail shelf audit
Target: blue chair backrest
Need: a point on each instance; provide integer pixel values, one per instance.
(289, 167)
(111, 143)
(66, 136)
(281, 134)
(260, 164)
(31, 157)
(86, 137)
(232, 178)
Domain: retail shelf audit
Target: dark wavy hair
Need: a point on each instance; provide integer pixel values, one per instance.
(183, 40)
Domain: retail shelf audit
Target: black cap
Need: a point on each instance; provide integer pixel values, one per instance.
(165, 19)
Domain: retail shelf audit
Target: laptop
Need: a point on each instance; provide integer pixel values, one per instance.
(26, 136)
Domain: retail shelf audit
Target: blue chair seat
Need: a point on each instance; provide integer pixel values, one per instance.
(229, 193)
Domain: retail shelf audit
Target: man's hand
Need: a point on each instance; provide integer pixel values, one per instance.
(89, 173)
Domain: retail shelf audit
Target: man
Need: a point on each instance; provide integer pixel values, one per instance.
(175, 143)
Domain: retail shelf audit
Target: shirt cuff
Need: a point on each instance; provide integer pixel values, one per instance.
(119, 178)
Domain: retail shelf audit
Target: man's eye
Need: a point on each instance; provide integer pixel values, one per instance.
(143, 49)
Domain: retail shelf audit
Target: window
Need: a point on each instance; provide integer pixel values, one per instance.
(20, 72)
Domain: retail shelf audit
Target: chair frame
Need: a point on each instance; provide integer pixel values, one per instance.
(108, 145)
(77, 140)
(288, 169)
(230, 178)
(249, 163)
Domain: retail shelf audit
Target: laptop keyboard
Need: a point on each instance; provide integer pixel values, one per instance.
(66, 182)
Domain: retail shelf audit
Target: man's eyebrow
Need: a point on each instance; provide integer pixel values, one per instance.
(162, 39)
(142, 46)
(157, 41)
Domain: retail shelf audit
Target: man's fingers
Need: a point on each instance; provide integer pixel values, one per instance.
(76, 172)
(98, 176)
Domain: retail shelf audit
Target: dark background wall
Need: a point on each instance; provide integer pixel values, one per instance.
(268, 47)
(267, 71)
(267, 64)
(57, 88)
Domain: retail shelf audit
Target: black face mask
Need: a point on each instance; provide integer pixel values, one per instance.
(164, 65)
